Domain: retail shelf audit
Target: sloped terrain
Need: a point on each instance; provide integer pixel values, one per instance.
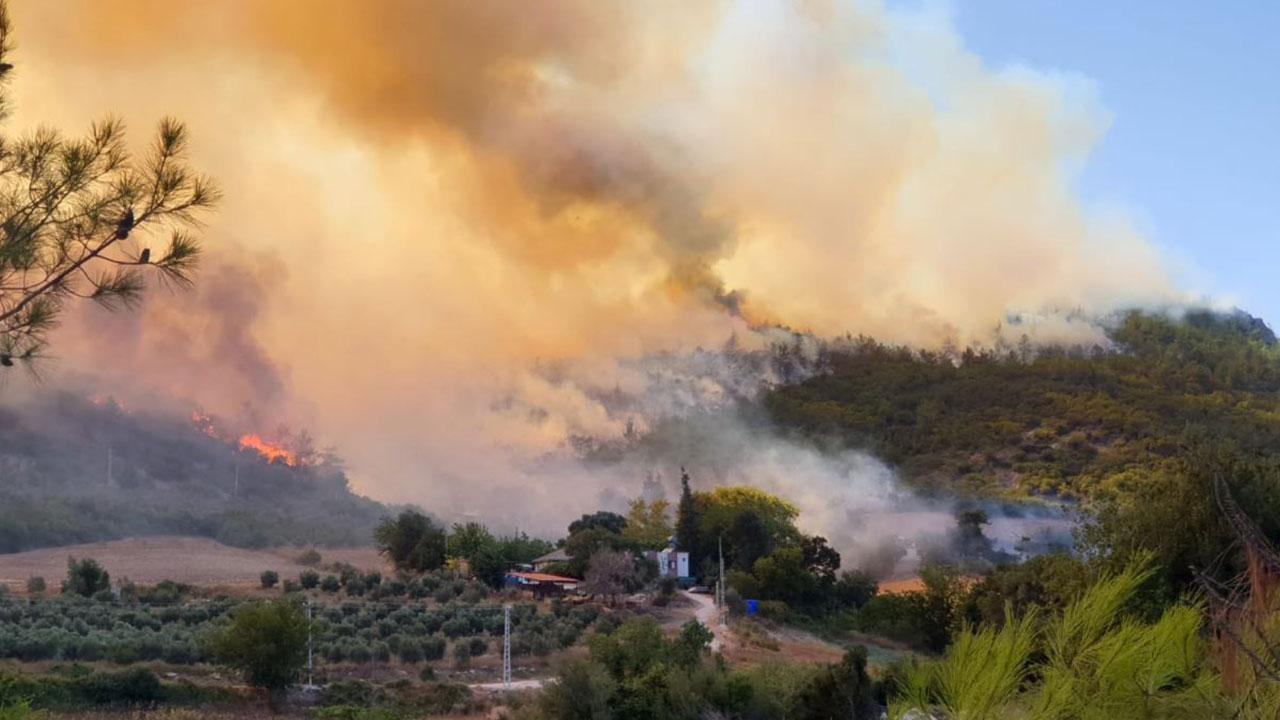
(1062, 421)
(73, 470)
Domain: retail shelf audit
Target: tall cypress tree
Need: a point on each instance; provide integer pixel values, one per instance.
(687, 523)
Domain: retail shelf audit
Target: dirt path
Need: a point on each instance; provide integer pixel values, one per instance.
(515, 685)
(707, 614)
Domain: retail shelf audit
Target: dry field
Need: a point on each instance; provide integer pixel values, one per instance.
(195, 561)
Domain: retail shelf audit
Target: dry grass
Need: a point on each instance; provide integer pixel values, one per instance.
(195, 561)
(756, 642)
(915, 584)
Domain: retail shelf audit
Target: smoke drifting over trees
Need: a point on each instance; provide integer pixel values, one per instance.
(486, 238)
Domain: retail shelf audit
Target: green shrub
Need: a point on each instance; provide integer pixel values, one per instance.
(433, 648)
(462, 655)
(136, 686)
(86, 578)
(774, 610)
(409, 653)
(330, 584)
(267, 642)
(309, 579)
(269, 578)
(36, 585)
(17, 710)
(457, 627)
(357, 693)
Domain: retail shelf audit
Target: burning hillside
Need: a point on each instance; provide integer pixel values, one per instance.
(286, 448)
(147, 472)
(269, 450)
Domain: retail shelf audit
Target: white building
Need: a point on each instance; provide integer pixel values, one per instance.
(673, 564)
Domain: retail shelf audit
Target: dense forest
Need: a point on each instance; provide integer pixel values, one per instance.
(74, 470)
(1037, 420)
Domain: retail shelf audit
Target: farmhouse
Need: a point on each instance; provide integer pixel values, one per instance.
(541, 584)
(555, 556)
(671, 564)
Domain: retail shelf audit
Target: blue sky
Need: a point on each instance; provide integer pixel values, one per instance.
(1193, 152)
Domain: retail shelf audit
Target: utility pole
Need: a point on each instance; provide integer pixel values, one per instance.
(720, 582)
(235, 493)
(506, 646)
(310, 665)
(111, 481)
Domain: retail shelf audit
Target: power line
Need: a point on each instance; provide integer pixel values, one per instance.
(506, 646)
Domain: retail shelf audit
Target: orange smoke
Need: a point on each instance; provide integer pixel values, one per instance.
(459, 192)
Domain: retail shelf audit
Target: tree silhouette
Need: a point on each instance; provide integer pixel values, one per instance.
(687, 523)
(76, 216)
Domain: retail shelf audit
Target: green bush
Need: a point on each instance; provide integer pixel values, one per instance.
(358, 693)
(462, 655)
(409, 653)
(36, 585)
(267, 642)
(433, 648)
(269, 578)
(132, 687)
(309, 579)
(86, 578)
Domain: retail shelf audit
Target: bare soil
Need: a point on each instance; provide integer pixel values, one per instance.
(195, 561)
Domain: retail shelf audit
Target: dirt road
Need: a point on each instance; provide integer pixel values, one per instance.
(516, 685)
(707, 614)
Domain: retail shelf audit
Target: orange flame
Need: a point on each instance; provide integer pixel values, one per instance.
(204, 424)
(270, 451)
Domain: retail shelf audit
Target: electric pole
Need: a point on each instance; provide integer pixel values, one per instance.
(506, 646)
(720, 582)
(310, 665)
(111, 481)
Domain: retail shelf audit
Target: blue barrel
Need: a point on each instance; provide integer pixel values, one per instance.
(753, 607)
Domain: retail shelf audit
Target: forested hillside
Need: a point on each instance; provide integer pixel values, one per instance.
(1062, 421)
(75, 470)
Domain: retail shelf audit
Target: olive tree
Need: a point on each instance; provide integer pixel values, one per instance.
(85, 578)
(267, 643)
(412, 542)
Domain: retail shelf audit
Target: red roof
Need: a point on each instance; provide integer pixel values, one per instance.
(542, 577)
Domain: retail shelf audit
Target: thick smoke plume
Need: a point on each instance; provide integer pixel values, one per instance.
(461, 199)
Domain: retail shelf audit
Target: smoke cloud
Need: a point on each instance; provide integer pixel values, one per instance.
(448, 203)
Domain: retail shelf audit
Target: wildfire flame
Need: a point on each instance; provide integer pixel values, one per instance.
(204, 424)
(270, 451)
